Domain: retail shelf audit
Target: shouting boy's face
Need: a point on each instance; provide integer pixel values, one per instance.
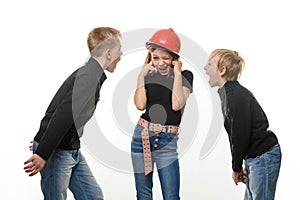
(215, 78)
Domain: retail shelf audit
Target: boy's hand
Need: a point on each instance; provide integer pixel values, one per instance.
(34, 164)
(238, 177)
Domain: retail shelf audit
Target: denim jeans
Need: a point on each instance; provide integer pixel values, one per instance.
(68, 169)
(262, 174)
(164, 155)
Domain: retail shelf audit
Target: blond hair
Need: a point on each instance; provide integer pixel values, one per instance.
(101, 38)
(231, 60)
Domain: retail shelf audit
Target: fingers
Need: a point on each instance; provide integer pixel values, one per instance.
(235, 181)
(238, 177)
(151, 71)
(29, 168)
(34, 171)
(177, 65)
(30, 145)
(148, 70)
(244, 181)
(29, 164)
(243, 178)
(32, 168)
(151, 67)
(176, 62)
(28, 161)
(34, 165)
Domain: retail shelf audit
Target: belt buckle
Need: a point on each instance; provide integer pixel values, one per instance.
(157, 128)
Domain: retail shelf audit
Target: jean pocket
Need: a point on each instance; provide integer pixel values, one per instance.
(254, 161)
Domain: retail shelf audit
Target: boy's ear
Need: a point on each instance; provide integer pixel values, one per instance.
(108, 54)
(222, 71)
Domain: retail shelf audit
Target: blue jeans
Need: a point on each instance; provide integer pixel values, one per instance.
(262, 174)
(165, 156)
(68, 169)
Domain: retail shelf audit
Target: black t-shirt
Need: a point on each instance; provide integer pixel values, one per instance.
(159, 98)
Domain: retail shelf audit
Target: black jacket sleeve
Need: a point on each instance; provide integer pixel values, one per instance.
(76, 101)
(240, 117)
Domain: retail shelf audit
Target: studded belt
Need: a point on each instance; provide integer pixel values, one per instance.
(157, 128)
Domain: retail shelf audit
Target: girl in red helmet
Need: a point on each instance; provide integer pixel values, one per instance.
(162, 91)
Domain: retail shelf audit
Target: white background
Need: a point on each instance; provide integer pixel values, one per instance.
(42, 42)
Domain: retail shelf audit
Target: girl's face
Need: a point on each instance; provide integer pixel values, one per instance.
(212, 71)
(162, 61)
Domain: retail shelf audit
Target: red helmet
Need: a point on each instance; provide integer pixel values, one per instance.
(166, 38)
